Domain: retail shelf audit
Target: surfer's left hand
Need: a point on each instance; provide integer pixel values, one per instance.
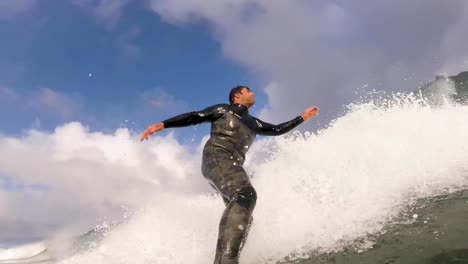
(309, 112)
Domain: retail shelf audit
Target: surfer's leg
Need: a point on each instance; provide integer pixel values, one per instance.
(233, 183)
(244, 239)
(234, 226)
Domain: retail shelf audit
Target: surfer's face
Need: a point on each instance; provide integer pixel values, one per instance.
(245, 97)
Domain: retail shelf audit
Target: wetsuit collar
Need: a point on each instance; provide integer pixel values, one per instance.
(240, 109)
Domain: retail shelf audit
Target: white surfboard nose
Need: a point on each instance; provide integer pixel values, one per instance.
(27, 253)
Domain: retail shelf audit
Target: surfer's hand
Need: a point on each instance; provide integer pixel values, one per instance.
(309, 112)
(151, 130)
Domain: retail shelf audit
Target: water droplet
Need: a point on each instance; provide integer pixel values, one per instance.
(415, 216)
(241, 227)
(235, 164)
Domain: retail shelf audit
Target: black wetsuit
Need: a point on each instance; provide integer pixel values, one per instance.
(233, 130)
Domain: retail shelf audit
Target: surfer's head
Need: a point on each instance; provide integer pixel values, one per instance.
(242, 95)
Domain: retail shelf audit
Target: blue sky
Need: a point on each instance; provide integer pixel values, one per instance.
(152, 59)
(103, 74)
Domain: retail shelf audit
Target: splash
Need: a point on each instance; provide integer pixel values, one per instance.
(322, 192)
(318, 192)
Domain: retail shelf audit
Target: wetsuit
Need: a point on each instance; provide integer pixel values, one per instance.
(233, 130)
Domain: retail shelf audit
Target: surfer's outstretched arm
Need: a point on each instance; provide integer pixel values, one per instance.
(192, 118)
(267, 129)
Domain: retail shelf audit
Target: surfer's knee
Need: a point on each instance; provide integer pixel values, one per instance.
(246, 197)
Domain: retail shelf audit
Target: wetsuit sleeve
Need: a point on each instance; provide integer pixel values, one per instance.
(196, 117)
(266, 129)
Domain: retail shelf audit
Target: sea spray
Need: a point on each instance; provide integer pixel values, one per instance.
(318, 192)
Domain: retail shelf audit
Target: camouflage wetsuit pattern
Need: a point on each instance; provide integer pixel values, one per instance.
(233, 130)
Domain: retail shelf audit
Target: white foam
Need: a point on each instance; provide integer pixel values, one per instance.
(317, 192)
(21, 252)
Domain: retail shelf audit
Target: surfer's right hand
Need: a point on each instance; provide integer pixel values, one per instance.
(151, 130)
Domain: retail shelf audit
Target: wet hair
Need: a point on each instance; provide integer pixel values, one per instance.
(235, 91)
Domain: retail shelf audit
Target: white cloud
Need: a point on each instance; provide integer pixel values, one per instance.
(107, 11)
(72, 177)
(6, 92)
(320, 52)
(44, 106)
(110, 10)
(52, 101)
(10, 9)
(179, 11)
(126, 42)
(159, 99)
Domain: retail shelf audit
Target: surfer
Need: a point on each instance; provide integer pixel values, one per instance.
(233, 130)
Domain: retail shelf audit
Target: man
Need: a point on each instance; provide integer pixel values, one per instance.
(233, 130)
